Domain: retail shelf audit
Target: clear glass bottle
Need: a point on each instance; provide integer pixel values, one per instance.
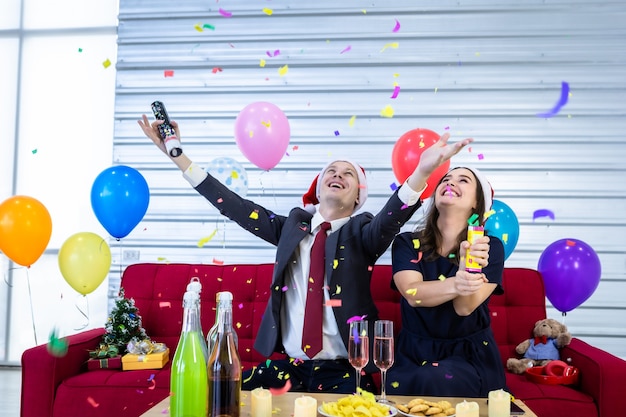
(211, 336)
(196, 286)
(224, 368)
(189, 383)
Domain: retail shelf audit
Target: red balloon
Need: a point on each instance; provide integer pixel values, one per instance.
(406, 155)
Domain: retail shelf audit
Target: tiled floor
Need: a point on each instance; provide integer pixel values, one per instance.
(10, 386)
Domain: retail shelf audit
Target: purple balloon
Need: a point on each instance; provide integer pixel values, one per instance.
(571, 273)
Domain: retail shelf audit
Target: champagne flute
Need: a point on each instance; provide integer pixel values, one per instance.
(358, 348)
(383, 352)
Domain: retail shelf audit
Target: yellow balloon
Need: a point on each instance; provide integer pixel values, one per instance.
(25, 229)
(84, 261)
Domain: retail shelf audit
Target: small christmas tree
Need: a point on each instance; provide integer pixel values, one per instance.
(123, 324)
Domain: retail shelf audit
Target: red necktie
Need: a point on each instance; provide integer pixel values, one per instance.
(314, 310)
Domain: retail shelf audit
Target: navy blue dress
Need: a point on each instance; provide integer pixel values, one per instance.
(438, 352)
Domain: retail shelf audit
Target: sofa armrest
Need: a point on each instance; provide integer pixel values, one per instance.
(601, 375)
(42, 373)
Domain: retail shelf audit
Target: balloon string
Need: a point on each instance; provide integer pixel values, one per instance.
(86, 316)
(32, 312)
(563, 314)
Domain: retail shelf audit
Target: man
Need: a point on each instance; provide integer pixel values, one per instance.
(354, 242)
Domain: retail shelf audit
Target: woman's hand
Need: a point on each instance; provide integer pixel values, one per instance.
(469, 282)
(433, 157)
(152, 131)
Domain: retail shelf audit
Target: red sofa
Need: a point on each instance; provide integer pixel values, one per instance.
(62, 387)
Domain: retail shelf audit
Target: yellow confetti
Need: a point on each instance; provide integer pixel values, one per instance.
(266, 124)
(262, 63)
(283, 70)
(436, 88)
(351, 122)
(205, 240)
(347, 375)
(393, 45)
(251, 133)
(338, 290)
(387, 111)
(335, 263)
(421, 144)
(505, 237)
(254, 215)
(162, 258)
(234, 174)
(441, 277)
(267, 11)
(411, 291)
(106, 63)
(249, 281)
(198, 27)
(238, 325)
(416, 243)
(489, 214)
(395, 384)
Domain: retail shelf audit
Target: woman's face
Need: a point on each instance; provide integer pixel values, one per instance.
(457, 189)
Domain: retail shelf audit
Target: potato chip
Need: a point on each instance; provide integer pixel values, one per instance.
(356, 405)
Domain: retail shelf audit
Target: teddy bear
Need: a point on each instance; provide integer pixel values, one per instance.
(549, 336)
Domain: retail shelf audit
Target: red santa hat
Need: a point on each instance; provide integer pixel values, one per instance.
(311, 198)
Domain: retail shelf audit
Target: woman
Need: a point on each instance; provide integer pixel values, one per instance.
(446, 346)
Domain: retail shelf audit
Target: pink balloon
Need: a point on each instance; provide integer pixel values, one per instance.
(262, 134)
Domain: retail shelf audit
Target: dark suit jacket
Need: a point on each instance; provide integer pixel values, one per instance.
(355, 247)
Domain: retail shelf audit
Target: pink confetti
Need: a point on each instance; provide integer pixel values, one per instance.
(225, 13)
(165, 304)
(153, 386)
(419, 258)
(397, 27)
(168, 73)
(333, 303)
(283, 390)
(355, 318)
(404, 207)
(481, 156)
(396, 91)
(275, 53)
(285, 288)
(215, 70)
(92, 402)
(218, 261)
(346, 49)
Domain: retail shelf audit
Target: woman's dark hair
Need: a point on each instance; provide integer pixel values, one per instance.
(430, 236)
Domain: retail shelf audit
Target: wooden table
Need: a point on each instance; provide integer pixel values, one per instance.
(283, 404)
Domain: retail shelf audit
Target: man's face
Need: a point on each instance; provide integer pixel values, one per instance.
(340, 184)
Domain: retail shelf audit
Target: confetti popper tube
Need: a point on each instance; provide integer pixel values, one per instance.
(473, 233)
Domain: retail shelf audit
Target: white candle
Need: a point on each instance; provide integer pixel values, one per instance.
(305, 406)
(467, 409)
(261, 405)
(499, 403)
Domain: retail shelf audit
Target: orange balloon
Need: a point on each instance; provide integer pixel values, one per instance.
(25, 229)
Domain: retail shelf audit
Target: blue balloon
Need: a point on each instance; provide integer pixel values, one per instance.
(503, 224)
(119, 198)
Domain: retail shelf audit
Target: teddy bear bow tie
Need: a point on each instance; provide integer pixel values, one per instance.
(541, 339)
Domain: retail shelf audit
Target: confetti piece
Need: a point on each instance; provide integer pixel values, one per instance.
(266, 124)
(473, 220)
(562, 102)
(489, 214)
(336, 133)
(543, 213)
(283, 70)
(207, 239)
(254, 215)
(351, 121)
(168, 73)
(416, 243)
(267, 11)
(393, 186)
(57, 347)
(34, 151)
(481, 156)
(208, 26)
(441, 277)
(411, 291)
(220, 200)
(451, 256)
(396, 91)
(153, 385)
(505, 237)
(225, 13)
(570, 243)
(92, 402)
(393, 45)
(215, 70)
(283, 390)
(162, 258)
(285, 288)
(387, 111)
(346, 49)
(218, 261)
(397, 27)
(419, 258)
(335, 263)
(334, 302)
(106, 63)
(80, 50)
(395, 384)
(262, 63)
(485, 342)
(273, 54)
(198, 27)
(165, 304)
(355, 318)
(338, 290)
